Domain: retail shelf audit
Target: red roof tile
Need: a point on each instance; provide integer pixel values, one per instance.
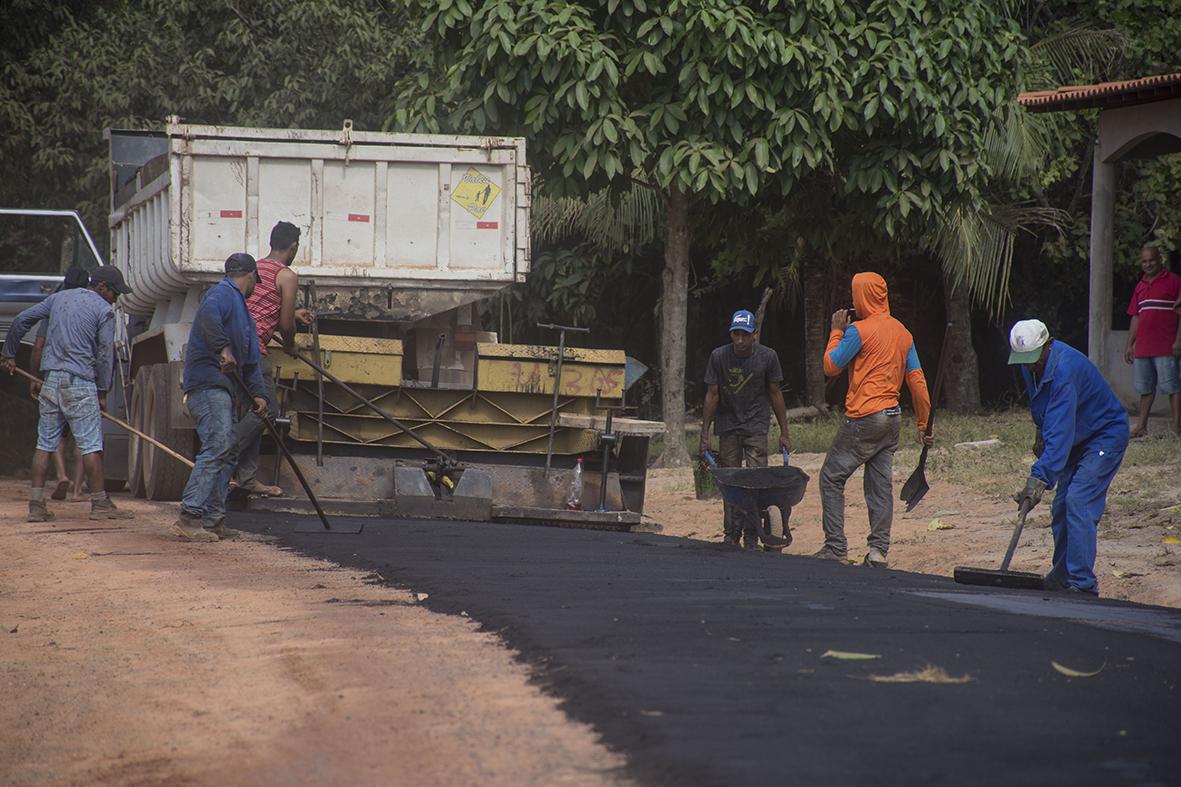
(1108, 94)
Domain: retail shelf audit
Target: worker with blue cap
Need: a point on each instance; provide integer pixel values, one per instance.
(1082, 435)
(742, 389)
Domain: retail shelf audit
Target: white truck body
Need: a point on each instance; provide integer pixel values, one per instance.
(395, 227)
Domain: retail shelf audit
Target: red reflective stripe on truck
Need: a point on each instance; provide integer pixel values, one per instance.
(362, 217)
(486, 225)
(231, 214)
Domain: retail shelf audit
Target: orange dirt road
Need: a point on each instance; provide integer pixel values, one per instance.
(127, 657)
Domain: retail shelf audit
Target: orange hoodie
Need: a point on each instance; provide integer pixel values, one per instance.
(882, 353)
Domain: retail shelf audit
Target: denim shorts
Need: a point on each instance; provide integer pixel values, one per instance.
(1158, 371)
(68, 399)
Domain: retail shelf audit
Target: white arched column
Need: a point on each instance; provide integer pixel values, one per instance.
(1102, 268)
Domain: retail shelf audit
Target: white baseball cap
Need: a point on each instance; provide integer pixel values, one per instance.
(1026, 340)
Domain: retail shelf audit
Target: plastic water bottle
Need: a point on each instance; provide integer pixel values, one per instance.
(574, 499)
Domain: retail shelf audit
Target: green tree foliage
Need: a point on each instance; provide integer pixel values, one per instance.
(976, 243)
(1148, 190)
(73, 69)
(880, 106)
(719, 98)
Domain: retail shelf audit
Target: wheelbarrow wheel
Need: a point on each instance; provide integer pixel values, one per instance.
(772, 542)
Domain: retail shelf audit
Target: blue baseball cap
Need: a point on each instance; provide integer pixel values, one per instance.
(742, 321)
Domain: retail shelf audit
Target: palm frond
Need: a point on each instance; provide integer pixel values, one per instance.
(976, 247)
(616, 221)
(975, 239)
(1061, 59)
(1016, 145)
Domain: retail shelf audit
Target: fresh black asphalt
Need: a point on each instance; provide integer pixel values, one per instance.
(704, 665)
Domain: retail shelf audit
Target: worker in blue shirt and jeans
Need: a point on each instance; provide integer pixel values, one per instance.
(221, 340)
(1082, 436)
(77, 362)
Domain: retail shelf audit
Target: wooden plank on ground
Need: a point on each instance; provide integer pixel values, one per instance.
(629, 426)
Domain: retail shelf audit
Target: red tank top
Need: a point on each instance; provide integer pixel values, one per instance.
(264, 302)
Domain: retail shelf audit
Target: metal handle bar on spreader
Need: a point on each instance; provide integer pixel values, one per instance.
(553, 413)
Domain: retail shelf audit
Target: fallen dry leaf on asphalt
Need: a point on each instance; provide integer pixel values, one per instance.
(1073, 673)
(928, 674)
(845, 655)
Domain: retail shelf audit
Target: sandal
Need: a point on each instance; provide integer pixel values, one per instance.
(262, 490)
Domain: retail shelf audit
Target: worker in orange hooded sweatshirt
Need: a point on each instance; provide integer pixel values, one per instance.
(881, 353)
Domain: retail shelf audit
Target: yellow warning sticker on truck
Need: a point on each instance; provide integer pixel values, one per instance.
(475, 193)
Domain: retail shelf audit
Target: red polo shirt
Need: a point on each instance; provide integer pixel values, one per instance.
(1152, 302)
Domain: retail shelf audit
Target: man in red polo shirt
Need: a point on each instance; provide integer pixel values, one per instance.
(272, 305)
(1152, 337)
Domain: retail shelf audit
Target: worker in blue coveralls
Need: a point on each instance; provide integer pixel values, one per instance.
(1082, 435)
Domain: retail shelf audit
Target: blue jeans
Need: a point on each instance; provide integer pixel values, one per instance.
(1078, 505)
(1157, 371)
(249, 430)
(69, 399)
(205, 493)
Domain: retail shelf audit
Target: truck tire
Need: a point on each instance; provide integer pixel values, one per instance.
(164, 477)
(135, 414)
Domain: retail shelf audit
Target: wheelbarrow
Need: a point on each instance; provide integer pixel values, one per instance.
(755, 490)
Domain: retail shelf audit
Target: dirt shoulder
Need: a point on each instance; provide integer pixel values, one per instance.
(1134, 563)
(129, 658)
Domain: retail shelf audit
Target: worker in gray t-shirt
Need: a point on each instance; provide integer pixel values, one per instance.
(743, 388)
(77, 365)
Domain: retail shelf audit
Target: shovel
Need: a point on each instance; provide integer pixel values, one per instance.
(916, 486)
(1003, 578)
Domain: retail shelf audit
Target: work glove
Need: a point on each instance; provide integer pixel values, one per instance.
(1039, 444)
(1031, 495)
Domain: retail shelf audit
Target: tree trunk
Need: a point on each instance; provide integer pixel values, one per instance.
(761, 312)
(816, 285)
(961, 384)
(674, 319)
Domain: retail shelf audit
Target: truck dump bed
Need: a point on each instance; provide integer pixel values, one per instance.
(394, 227)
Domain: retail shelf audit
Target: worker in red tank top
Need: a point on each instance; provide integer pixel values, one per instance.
(272, 305)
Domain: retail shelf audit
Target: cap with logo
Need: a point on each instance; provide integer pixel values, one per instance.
(112, 277)
(742, 321)
(241, 262)
(1026, 340)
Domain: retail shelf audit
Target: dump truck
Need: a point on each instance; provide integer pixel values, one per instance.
(405, 240)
